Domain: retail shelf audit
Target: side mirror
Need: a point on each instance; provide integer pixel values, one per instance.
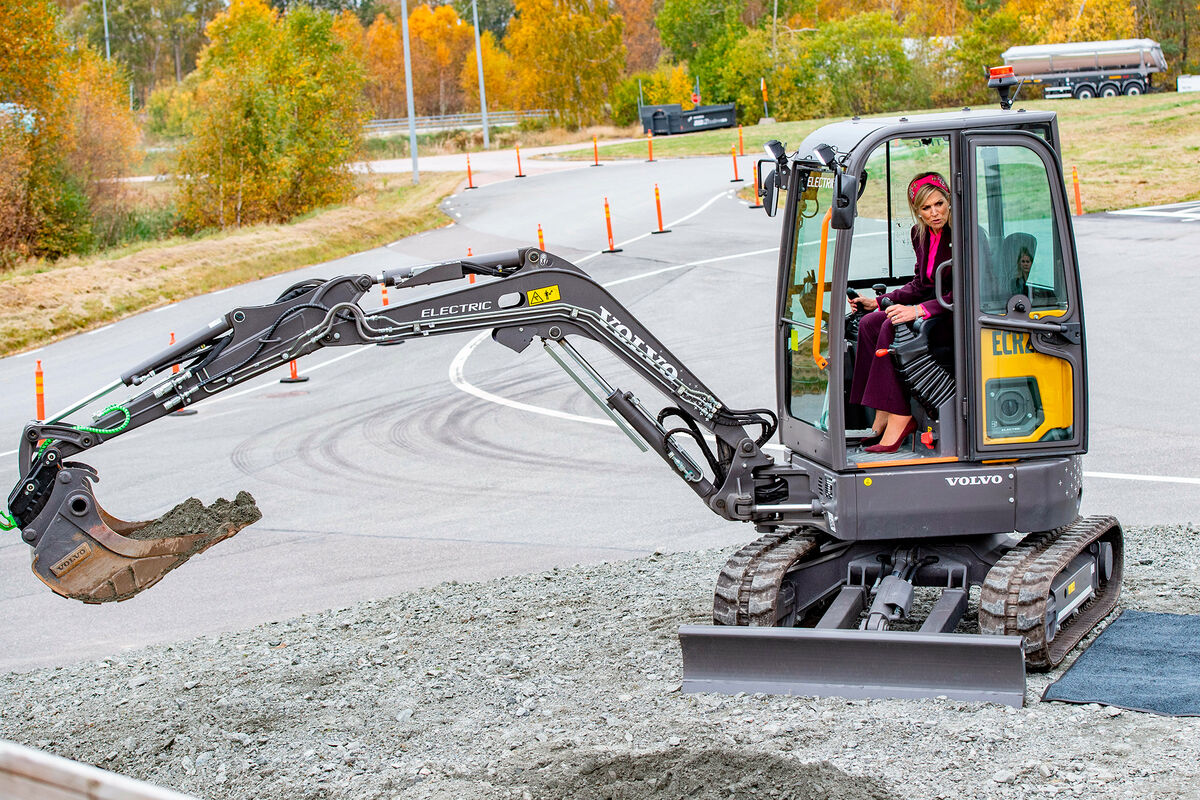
(845, 201)
(768, 186)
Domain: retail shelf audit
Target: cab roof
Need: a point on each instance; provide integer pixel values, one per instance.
(846, 136)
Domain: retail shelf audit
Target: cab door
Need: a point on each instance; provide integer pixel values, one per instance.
(1026, 353)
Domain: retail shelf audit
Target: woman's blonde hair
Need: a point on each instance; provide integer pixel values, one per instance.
(919, 190)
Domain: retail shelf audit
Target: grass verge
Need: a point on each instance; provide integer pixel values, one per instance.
(1130, 151)
(40, 302)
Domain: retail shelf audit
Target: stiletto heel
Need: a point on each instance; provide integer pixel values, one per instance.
(911, 427)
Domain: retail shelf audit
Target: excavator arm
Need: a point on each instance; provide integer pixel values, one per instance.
(82, 551)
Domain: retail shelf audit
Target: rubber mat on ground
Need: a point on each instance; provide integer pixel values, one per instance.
(1143, 662)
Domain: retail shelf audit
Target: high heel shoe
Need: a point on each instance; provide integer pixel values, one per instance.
(911, 427)
(873, 439)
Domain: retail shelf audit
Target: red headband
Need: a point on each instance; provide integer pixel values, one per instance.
(931, 180)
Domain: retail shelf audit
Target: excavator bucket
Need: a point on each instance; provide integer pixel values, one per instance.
(853, 663)
(82, 552)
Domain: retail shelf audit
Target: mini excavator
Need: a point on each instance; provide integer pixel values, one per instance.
(946, 568)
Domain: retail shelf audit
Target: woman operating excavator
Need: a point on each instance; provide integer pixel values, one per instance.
(875, 383)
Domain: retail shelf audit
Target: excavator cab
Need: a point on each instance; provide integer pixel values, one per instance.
(1002, 374)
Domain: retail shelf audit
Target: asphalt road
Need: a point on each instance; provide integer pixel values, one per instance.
(453, 458)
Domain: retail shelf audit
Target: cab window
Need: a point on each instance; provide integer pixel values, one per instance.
(883, 250)
(808, 381)
(1019, 250)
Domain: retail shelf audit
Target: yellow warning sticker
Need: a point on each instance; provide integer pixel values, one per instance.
(867, 481)
(795, 340)
(547, 294)
(1071, 587)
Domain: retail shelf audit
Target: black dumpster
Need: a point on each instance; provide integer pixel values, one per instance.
(668, 118)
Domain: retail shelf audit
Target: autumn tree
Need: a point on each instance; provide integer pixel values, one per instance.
(349, 30)
(101, 139)
(494, 15)
(1176, 25)
(702, 32)
(667, 83)
(640, 35)
(65, 133)
(440, 43)
(861, 64)
(568, 55)
(498, 76)
(156, 40)
(384, 58)
(282, 115)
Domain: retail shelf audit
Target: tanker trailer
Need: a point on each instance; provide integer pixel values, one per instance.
(1084, 70)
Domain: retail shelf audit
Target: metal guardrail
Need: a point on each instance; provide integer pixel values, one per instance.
(451, 121)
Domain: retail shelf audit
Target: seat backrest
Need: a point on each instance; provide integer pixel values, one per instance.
(1010, 251)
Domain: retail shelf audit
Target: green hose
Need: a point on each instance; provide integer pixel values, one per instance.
(107, 431)
(7, 523)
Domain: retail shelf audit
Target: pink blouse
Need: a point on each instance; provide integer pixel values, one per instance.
(935, 238)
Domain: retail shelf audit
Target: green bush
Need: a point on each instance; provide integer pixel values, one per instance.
(66, 219)
(171, 110)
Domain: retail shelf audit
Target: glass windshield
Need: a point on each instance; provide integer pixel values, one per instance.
(883, 250)
(808, 399)
(1020, 253)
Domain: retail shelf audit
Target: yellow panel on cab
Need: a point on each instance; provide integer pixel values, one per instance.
(1026, 394)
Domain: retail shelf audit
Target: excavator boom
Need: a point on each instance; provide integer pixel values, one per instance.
(82, 551)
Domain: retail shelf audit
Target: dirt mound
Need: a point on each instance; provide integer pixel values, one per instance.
(192, 516)
(703, 774)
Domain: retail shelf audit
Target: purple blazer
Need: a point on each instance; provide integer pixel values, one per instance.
(919, 291)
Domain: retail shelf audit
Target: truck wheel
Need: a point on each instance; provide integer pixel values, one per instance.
(1133, 89)
(1110, 90)
(1085, 93)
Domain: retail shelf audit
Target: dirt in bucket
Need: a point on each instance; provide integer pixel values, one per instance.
(192, 517)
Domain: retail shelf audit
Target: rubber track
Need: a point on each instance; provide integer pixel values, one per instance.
(1013, 597)
(747, 589)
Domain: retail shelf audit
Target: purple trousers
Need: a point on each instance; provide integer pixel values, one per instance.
(876, 384)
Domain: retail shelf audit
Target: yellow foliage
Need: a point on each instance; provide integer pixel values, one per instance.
(280, 116)
(350, 32)
(385, 68)
(568, 55)
(67, 135)
(101, 135)
(440, 44)
(497, 76)
(668, 84)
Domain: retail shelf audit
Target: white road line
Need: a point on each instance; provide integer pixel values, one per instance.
(163, 308)
(654, 272)
(670, 224)
(29, 352)
(106, 327)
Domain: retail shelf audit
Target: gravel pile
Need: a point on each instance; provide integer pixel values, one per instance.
(566, 684)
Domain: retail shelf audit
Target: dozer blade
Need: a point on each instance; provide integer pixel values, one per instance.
(853, 663)
(82, 552)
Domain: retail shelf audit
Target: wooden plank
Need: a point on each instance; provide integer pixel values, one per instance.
(29, 774)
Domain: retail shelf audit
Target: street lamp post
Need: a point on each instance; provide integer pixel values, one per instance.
(408, 93)
(104, 8)
(479, 62)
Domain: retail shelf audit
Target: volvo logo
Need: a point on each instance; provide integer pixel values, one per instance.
(623, 331)
(974, 480)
